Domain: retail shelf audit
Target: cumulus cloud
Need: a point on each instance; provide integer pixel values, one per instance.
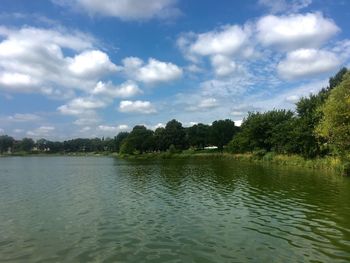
(91, 63)
(223, 66)
(138, 106)
(125, 9)
(228, 40)
(223, 46)
(303, 63)
(291, 6)
(34, 60)
(153, 72)
(79, 106)
(295, 31)
(125, 90)
(23, 117)
(42, 131)
(113, 129)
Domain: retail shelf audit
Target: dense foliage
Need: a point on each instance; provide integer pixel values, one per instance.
(319, 126)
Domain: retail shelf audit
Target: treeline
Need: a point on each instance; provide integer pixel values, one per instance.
(319, 126)
(27, 145)
(172, 137)
(175, 138)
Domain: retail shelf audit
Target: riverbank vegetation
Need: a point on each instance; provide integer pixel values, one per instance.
(316, 134)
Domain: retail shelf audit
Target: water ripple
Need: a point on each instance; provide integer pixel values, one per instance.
(105, 210)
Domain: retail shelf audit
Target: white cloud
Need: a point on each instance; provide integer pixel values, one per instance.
(224, 47)
(125, 90)
(303, 63)
(107, 128)
(18, 130)
(113, 129)
(23, 117)
(123, 127)
(35, 60)
(80, 106)
(143, 107)
(290, 6)
(17, 80)
(90, 118)
(91, 63)
(223, 66)
(295, 30)
(199, 103)
(42, 131)
(158, 125)
(85, 129)
(125, 9)
(342, 48)
(228, 40)
(208, 103)
(153, 72)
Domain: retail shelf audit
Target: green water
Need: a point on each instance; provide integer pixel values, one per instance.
(86, 209)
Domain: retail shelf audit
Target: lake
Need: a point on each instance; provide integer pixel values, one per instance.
(101, 209)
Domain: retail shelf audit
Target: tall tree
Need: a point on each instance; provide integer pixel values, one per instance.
(335, 123)
(175, 135)
(222, 132)
(26, 144)
(6, 143)
(118, 140)
(198, 135)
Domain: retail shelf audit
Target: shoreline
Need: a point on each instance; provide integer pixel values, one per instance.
(329, 163)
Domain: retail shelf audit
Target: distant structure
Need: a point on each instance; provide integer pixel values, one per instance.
(210, 148)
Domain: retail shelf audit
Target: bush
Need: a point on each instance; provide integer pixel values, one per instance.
(268, 157)
(346, 169)
(259, 154)
(172, 149)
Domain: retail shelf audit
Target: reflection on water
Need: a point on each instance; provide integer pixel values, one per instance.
(59, 209)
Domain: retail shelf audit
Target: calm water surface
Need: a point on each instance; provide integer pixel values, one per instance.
(82, 209)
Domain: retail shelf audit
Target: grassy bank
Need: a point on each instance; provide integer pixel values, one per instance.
(328, 163)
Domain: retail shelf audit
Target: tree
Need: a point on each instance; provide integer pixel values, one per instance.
(160, 139)
(198, 135)
(118, 140)
(222, 132)
(139, 139)
(26, 144)
(309, 117)
(6, 143)
(269, 131)
(175, 134)
(335, 123)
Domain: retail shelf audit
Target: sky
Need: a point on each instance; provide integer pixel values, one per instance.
(93, 68)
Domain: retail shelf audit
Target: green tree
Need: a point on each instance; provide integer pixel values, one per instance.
(26, 144)
(222, 132)
(118, 140)
(6, 143)
(139, 139)
(160, 141)
(269, 131)
(335, 123)
(199, 135)
(175, 134)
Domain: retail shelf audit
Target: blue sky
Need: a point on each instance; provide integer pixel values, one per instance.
(86, 68)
